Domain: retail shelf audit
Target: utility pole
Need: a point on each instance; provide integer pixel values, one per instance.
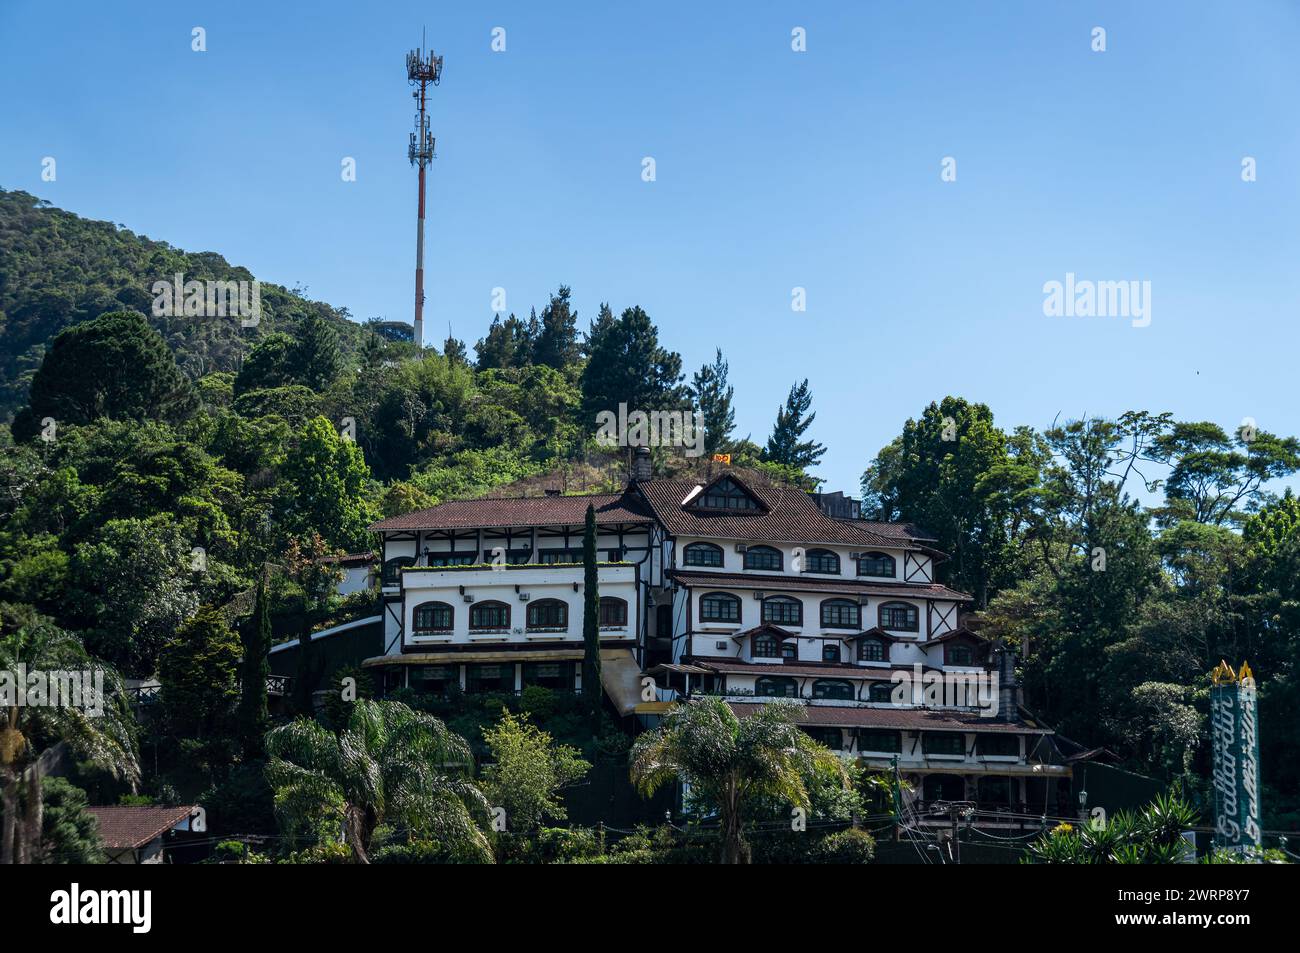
(421, 69)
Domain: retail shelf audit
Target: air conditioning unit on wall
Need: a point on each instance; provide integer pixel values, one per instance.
(467, 597)
(742, 548)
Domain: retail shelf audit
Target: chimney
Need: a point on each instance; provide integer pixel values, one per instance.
(1008, 687)
(641, 468)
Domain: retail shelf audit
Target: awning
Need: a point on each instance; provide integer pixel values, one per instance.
(621, 677)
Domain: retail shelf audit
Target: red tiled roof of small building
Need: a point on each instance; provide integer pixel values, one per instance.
(123, 827)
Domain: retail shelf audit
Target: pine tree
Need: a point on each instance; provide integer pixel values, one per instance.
(256, 637)
(713, 394)
(591, 688)
(507, 345)
(316, 360)
(627, 365)
(454, 350)
(556, 343)
(786, 446)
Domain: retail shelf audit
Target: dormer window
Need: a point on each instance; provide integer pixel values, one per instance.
(821, 561)
(877, 564)
(726, 494)
(766, 646)
(763, 558)
(960, 655)
(871, 650)
(703, 554)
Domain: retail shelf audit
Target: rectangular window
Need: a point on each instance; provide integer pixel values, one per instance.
(434, 679)
(514, 557)
(557, 676)
(943, 742)
(490, 678)
(549, 557)
(874, 739)
(436, 560)
(1002, 746)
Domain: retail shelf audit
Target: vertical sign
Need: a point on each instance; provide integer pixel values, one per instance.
(1234, 729)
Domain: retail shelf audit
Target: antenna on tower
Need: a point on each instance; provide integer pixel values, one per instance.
(421, 69)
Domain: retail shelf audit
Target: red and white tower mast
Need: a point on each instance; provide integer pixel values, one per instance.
(422, 68)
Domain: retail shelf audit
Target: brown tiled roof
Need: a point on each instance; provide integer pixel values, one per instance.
(810, 583)
(908, 719)
(908, 531)
(521, 511)
(123, 827)
(789, 516)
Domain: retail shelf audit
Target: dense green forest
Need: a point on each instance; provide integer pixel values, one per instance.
(172, 484)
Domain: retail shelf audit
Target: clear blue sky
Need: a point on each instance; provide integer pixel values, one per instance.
(775, 169)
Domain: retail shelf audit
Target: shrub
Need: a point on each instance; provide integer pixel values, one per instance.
(850, 846)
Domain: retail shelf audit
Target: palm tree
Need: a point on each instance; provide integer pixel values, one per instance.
(727, 761)
(389, 763)
(34, 737)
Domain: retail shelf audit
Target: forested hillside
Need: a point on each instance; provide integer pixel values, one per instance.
(58, 269)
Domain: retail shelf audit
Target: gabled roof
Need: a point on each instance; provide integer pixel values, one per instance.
(124, 827)
(811, 582)
(789, 516)
(767, 628)
(521, 511)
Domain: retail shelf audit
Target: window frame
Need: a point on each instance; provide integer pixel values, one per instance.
(692, 549)
(839, 603)
(784, 680)
(821, 553)
(434, 606)
(547, 605)
(832, 652)
(880, 687)
(765, 551)
(878, 557)
(964, 648)
(494, 604)
(767, 638)
(842, 684)
(876, 642)
(716, 598)
(730, 497)
(911, 612)
(895, 736)
(610, 601)
(929, 737)
(394, 577)
(782, 600)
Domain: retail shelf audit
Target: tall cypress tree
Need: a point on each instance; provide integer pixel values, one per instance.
(556, 344)
(590, 614)
(256, 636)
(316, 360)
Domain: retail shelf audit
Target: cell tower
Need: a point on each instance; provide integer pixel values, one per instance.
(421, 69)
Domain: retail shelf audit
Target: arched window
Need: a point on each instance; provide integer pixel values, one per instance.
(764, 558)
(871, 650)
(877, 564)
(489, 615)
(393, 569)
(841, 614)
(703, 554)
(960, 654)
(719, 607)
(613, 612)
(899, 616)
(783, 610)
(766, 645)
(776, 686)
(789, 651)
(832, 688)
(881, 692)
(830, 651)
(431, 617)
(548, 614)
(822, 561)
